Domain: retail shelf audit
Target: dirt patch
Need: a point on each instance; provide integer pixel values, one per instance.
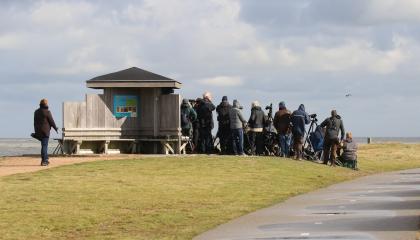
(13, 165)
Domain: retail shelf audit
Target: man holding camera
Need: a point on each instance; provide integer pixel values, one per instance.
(333, 125)
(43, 122)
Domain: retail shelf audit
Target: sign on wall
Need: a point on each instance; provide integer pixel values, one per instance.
(126, 106)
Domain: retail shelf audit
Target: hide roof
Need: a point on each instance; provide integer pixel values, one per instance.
(132, 78)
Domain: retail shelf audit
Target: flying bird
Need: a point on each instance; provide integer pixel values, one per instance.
(348, 95)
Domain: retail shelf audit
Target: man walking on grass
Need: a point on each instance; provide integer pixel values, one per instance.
(43, 122)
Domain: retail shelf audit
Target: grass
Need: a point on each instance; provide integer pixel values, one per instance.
(167, 198)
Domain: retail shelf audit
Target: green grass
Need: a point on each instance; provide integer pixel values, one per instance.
(166, 198)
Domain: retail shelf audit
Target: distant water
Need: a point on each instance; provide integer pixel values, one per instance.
(388, 139)
(21, 146)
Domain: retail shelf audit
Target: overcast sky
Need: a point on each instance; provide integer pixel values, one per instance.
(298, 51)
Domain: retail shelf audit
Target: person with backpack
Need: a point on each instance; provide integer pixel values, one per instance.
(333, 126)
(237, 123)
(205, 120)
(224, 126)
(43, 122)
(188, 116)
(256, 126)
(282, 125)
(299, 119)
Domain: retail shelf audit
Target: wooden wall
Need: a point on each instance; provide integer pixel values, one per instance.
(158, 115)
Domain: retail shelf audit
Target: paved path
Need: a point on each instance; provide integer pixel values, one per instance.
(382, 207)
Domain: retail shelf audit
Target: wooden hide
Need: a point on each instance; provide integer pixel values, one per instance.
(158, 116)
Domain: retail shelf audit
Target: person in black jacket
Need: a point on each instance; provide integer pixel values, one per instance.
(43, 122)
(256, 126)
(206, 124)
(333, 126)
(223, 131)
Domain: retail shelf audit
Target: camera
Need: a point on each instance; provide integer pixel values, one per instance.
(313, 117)
(269, 107)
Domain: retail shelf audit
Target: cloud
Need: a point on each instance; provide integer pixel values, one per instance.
(300, 51)
(222, 81)
(9, 41)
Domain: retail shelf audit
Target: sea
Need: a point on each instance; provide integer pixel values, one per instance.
(30, 146)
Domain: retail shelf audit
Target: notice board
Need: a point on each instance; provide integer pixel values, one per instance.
(126, 106)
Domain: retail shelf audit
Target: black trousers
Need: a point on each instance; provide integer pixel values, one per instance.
(225, 139)
(205, 140)
(256, 141)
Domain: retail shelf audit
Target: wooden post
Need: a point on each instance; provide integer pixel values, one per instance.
(369, 140)
(106, 144)
(78, 143)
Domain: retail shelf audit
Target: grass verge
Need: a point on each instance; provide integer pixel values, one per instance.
(167, 198)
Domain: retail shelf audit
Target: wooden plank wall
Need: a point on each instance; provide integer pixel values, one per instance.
(74, 115)
(169, 115)
(97, 113)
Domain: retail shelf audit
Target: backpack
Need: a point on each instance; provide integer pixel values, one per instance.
(185, 119)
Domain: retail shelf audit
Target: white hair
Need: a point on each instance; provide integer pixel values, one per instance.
(207, 95)
(255, 104)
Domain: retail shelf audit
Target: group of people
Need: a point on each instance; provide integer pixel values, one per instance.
(197, 123)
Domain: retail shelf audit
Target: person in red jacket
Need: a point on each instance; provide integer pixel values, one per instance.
(43, 122)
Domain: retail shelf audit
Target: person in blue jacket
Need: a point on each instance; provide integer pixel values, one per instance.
(299, 119)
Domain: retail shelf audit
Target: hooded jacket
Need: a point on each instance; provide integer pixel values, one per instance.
(223, 114)
(257, 119)
(235, 116)
(43, 122)
(299, 119)
(349, 150)
(282, 119)
(188, 114)
(333, 126)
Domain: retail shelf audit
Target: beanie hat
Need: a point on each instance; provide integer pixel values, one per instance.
(224, 98)
(282, 105)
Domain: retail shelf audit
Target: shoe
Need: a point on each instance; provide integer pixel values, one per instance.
(44, 164)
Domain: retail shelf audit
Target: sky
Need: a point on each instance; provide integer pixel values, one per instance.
(313, 52)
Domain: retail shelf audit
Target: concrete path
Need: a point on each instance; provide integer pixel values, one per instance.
(382, 207)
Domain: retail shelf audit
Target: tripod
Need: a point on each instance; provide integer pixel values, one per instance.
(308, 148)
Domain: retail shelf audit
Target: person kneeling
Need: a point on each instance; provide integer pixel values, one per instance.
(349, 155)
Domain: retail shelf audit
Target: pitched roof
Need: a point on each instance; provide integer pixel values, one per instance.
(132, 78)
(133, 73)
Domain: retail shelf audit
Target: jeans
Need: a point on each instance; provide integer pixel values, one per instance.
(44, 149)
(238, 141)
(284, 142)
